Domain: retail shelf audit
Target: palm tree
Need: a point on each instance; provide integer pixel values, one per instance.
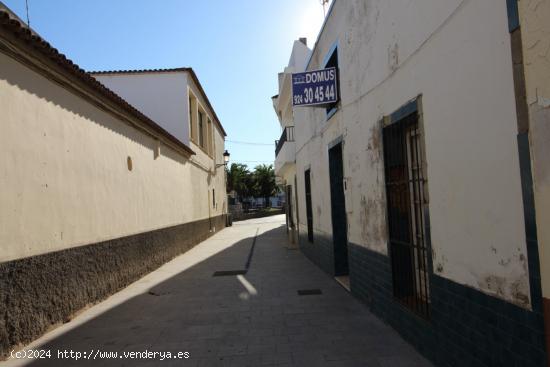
(239, 180)
(264, 182)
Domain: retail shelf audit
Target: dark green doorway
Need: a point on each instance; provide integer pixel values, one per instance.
(338, 211)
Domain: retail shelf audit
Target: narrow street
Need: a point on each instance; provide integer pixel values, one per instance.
(275, 183)
(254, 319)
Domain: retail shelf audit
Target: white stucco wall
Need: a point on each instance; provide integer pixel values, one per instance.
(456, 54)
(64, 175)
(297, 62)
(284, 164)
(161, 96)
(299, 56)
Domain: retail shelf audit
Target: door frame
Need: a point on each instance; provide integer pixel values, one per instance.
(340, 249)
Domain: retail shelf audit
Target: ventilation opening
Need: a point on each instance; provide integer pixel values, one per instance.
(129, 163)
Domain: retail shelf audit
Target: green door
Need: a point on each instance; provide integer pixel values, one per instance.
(338, 209)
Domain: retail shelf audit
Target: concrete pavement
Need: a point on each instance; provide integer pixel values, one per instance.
(255, 318)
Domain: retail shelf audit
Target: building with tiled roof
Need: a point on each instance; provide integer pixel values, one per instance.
(97, 189)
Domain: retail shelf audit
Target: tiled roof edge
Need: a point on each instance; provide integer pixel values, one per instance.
(167, 70)
(28, 39)
(137, 71)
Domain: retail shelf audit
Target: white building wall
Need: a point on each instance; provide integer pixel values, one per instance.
(299, 56)
(162, 96)
(64, 175)
(456, 54)
(285, 166)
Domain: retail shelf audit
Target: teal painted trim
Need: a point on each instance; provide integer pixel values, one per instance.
(333, 48)
(529, 217)
(335, 142)
(328, 55)
(406, 110)
(513, 15)
(331, 113)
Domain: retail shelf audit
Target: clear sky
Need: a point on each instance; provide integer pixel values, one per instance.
(235, 47)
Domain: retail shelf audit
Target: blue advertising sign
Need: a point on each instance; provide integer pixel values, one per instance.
(316, 87)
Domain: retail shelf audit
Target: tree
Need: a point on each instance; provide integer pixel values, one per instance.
(239, 179)
(264, 182)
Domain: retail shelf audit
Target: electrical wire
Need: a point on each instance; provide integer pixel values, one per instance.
(239, 161)
(248, 143)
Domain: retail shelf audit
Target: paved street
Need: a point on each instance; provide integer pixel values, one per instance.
(255, 319)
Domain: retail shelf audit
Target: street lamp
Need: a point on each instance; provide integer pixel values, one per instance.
(225, 159)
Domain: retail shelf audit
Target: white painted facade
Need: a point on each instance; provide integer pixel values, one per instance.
(285, 158)
(285, 161)
(65, 167)
(456, 55)
(163, 96)
(160, 96)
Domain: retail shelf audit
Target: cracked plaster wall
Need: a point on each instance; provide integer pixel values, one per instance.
(456, 54)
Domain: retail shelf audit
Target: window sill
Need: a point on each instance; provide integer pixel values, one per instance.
(204, 150)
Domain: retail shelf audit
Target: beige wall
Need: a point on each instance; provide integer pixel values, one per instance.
(535, 30)
(200, 103)
(64, 175)
(456, 54)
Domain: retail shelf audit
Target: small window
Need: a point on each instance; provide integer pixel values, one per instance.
(201, 129)
(332, 63)
(213, 198)
(210, 140)
(192, 132)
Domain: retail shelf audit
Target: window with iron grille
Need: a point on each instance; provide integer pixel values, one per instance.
(405, 185)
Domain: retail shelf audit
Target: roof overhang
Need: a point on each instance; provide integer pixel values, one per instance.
(170, 70)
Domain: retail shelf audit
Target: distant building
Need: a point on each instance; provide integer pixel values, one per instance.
(276, 201)
(285, 147)
(97, 189)
(173, 97)
(425, 189)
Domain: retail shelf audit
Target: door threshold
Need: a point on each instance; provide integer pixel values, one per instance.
(343, 280)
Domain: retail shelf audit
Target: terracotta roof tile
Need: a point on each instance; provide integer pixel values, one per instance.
(139, 71)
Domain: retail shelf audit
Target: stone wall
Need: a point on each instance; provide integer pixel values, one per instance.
(40, 291)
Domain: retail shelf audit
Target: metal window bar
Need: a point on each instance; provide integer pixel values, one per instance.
(405, 201)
